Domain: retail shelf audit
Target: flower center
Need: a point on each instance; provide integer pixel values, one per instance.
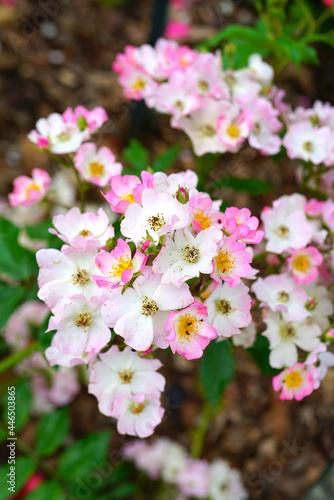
(208, 130)
(139, 84)
(179, 104)
(83, 320)
(190, 254)
(85, 233)
(137, 407)
(225, 262)
(125, 376)
(233, 131)
(223, 306)
(80, 277)
(256, 128)
(287, 332)
(149, 307)
(123, 264)
(283, 231)
(203, 218)
(156, 222)
(63, 136)
(203, 86)
(33, 187)
(187, 327)
(96, 169)
(301, 263)
(308, 146)
(293, 380)
(127, 197)
(230, 80)
(283, 297)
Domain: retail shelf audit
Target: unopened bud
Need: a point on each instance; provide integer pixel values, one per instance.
(230, 49)
(82, 123)
(182, 195)
(111, 244)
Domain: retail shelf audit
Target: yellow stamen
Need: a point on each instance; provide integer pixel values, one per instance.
(293, 380)
(123, 264)
(83, 320)
(32, 187)
(85, 233)
(233, 131)
(187, 327)
(127, 197)
(139, 84)
(203, 218)
(125, 376)
(137, 407)
(301, 263)
(225, 262)
(96, 169)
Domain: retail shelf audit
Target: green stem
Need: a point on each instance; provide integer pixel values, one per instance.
(323, 17)
(308, 16)
(82, 190)
(200, 431)
(58, 160)
(15, 358)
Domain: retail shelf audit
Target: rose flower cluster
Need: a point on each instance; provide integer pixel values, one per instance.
(219, 109)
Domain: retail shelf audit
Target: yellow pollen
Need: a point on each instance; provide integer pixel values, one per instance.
(137, 407)
(187, 327)
(139, 84)
(283, 231)
(81, 277)
(301, 263)
(203, 218)
(283, 297)
(127, 197)
(85, 233)
(123, 264)
(203, 86)
(287, 332)
(96, 169)
(149, 307)
(179, 104)
(233, 131)
(208, 130)
(32, 187)
(64, 136)
(83, 320)
(225, 262)
(293, 380)
(125, 377)
(308, 146)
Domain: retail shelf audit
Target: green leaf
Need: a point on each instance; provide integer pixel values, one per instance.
(260, 353)
(23, 401)
(24, 468)
(49, 490)
(124, 490)
(137, 155)
(10, 298)
(166, 159)
(216, 370)
(83, 456)
(252, 185)
(15, 261)
(52, 430)
(244, 49)
(296, 50)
